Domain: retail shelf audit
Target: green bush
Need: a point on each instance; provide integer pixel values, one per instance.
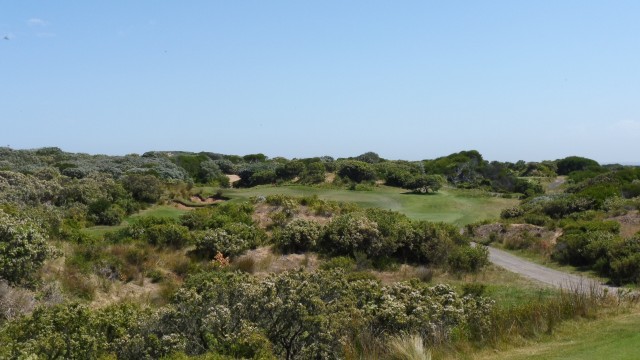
(298, 236)
(339, 262)
(232, 240)
(429, 243)
(351, 233)
(512, 212)
(145, 188)
(169, 235)
(23, 249)
(468, 259)
(218, 216)
(357, 171)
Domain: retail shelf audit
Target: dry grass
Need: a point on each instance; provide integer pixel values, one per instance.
(408, 347)
(262, 261)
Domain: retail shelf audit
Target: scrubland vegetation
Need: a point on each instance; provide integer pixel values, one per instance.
(154, 256)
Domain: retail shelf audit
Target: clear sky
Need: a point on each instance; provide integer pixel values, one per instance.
(412, 80)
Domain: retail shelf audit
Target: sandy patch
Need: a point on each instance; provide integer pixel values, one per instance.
(629, 223)
(200, 200)
(266, 262)
(262, 215)
(329, 177)
(233, 179)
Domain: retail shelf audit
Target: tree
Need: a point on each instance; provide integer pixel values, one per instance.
(575, 163)
(357, 171)
(424, 184)
(369, 157)
(314, 173)
(290, 170)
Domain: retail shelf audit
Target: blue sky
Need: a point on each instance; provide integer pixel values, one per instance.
(410, 80)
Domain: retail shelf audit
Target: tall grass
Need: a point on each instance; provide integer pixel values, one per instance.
(542, 316)
(408, 347)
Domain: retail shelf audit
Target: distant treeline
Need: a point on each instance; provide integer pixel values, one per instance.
(465, 169)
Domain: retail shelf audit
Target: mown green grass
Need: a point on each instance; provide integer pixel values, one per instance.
(614, 337)
(157, 211)
(459, 207)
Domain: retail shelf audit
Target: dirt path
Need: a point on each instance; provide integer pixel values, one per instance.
(543, 274)
(557, 182)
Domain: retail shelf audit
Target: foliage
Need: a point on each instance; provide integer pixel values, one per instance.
(145, 188)
(430, 243)
(168, 235)
(424, 184)
(23, 249)
(218, 216)
(68, 331)
(468, 259)
(314, 173)
(351, 233)
(231, 240)
(369, 157)
(574, 163)
(356, 171)
(298, 236)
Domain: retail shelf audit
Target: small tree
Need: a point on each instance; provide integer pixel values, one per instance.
(424, 184)
(357, 171)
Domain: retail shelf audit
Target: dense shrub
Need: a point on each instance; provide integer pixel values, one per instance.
(69, 331)
(301, 315)
(103, 212)
(232, 240)
(314, 173)
(23, 249)
(351, 233)
(298, 236)
(430, 243)
(575, 163)
(145, 188)
(218, 216)
(563, 206)
(170, 235)
(356, 171)
(468, 259)
(512, 212)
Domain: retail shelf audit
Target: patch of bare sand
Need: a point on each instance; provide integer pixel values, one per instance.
(263, 261)
(629, 223)
(329, 177)
(180, 206)
(262, 215)
(233, 179)
(201, 200)
(146, 291)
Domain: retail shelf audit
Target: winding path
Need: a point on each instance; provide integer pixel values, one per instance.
(544, 274)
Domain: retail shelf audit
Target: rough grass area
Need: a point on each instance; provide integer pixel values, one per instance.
(459, 207)
(615, 337)
(157, 210)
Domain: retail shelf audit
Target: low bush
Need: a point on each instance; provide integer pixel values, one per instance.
(468, 259)
(231, 240)
(298, 236)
